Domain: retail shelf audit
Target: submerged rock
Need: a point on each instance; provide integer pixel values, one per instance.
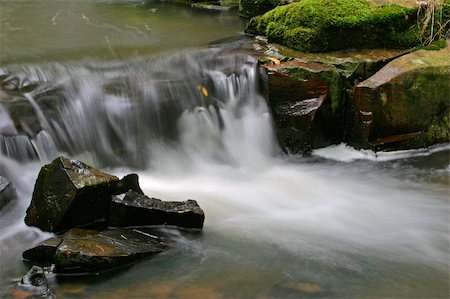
(69, 193)
(93, 251)
(35, 277)
(7, 192)
(32, 285)
(133, 209)
(405, 105)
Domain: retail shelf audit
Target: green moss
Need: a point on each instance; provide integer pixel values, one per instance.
(327, 25)
(439, 132)
(330, 75)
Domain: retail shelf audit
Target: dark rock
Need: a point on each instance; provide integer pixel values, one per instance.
(305, 99)
(36, 278)
(405, 105)
(7, 192)
(251, 8)
(69, 193)
(43, 253)
(93, 251)
(133, 209)
(33, 285)
(129, 182)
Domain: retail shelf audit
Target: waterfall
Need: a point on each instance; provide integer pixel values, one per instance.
(205, 104)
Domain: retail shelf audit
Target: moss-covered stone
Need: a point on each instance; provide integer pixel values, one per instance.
(327, 25)
(439, 130)
(409, 97)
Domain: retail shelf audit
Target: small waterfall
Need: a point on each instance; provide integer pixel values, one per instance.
(204, 104)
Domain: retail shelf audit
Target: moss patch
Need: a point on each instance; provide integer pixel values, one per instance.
(439, 131)
(327, 25)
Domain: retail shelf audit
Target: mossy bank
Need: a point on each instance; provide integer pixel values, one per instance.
(330, 25)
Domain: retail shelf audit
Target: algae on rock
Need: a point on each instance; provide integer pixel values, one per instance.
(329, 25)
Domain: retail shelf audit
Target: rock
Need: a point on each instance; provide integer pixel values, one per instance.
(308, 91)
(43, 253)
(252, 8)
(133, 209)
(7, 192)
(33, 285)
(305, 100)
(35, 277)
(129, 182)
(69, 193)
(323, 26)
(93, 251)
(405, 105)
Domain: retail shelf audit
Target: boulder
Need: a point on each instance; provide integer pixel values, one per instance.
(325, 25)
(69, 193)
(7, 192)
(307, 92)
(405, 105)
(133, 209)
(93, 251)
(304, 98)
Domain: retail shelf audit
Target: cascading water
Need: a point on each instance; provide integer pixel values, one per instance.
(206, 105)
(195, 125)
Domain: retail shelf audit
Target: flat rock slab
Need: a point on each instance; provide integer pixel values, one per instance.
(92, 251)
(133, 209)
(7, 192)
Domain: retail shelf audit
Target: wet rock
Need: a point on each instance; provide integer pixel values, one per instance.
(129, 182)
(35, 277)
(308, 91)
(133, 209)
(7, 192)
(305, 99)
(405, 105)
(43, 253)
(93, 251)
(32, 285)
(69, 193)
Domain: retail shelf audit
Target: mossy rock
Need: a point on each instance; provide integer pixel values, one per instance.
(329, 25)
(407, 100)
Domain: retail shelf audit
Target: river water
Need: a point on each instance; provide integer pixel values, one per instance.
(130, 86)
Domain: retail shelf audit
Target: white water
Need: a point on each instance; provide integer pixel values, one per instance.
(220, 150)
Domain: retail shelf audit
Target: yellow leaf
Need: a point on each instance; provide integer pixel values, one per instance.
(274, 60)
(203, 90)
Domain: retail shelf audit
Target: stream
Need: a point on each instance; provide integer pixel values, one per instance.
(132, 86)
